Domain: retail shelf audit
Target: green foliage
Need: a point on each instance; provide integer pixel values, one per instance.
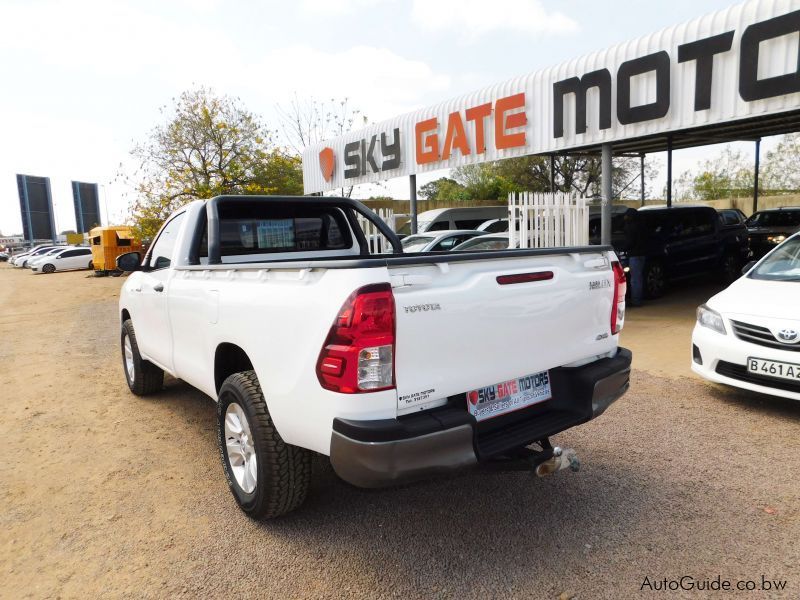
(208, 145)
(728, 174)
(578, 174)
(782, 165)
(732, 174)
(443, 188)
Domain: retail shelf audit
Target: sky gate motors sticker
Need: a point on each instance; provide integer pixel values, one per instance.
(501, 398)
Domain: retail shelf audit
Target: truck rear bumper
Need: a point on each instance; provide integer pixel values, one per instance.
(389, 451)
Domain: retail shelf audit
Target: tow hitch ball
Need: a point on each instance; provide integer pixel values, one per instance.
(561, 459)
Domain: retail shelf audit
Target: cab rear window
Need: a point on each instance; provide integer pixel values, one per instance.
(258, 228)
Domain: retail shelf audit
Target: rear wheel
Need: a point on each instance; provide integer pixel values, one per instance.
(267, 476)
(655, 280)
(731, 268)
(91, 265)
(48, 268)
(143, 377)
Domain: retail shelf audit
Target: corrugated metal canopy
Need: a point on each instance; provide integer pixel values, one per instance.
(734, 131)
(730, 75)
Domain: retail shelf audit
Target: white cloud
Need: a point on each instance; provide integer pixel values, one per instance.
(477, 17)
(376, 80)
(124, 41)
(336, 7)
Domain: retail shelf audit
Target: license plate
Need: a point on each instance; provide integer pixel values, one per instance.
(774, 368)
(514, 394)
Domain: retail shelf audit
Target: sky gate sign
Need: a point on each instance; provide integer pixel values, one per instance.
(739, 63)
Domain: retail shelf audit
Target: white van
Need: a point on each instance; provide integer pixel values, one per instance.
(441, 219)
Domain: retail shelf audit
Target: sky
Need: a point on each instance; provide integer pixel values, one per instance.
(85, 79)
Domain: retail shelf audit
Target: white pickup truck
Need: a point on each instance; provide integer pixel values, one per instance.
(396, 366)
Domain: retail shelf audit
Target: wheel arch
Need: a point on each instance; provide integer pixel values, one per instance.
(125, 315)
(229, 359)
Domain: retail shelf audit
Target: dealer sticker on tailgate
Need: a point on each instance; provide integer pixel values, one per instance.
(501, 398)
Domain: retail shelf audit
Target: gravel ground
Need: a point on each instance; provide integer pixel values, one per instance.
(106, 494)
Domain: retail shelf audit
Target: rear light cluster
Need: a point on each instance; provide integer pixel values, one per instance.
(618, 305)
(358, 354)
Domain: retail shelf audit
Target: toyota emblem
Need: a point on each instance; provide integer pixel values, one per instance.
(787, 335)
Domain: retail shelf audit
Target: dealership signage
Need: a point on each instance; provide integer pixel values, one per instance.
(739, 63)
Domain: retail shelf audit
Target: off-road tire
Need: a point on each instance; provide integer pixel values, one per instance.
(655, 280)
(147, 378)
(48, 268)
(283, 470)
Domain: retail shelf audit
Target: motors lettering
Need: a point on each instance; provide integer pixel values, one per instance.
(701, 53)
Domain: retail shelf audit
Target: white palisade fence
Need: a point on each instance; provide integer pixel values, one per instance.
(377, 243)
(547, 220)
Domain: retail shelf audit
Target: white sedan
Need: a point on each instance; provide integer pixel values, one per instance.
(437, 241)
(22, 260)
(748, 335)
(66, 259)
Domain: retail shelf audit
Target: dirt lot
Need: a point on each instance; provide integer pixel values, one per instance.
(106, 494)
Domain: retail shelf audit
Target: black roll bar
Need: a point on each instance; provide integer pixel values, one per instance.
(348, 205)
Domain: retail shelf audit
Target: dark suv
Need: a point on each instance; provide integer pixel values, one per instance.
(683, 241)
(768, 228)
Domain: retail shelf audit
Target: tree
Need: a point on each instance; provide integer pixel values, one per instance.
(207, 146)
(443, 188)
(727, 174)
(782, 165)
(577, 174)
(311, 121)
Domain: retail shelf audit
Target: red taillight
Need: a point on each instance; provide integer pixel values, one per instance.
(618, 305)
(358, 354)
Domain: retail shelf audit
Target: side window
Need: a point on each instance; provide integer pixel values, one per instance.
(497, 227)
(439, 226)
(701, 223)
(469, 223)
(161, 254)
(448, 243)
(69, 253)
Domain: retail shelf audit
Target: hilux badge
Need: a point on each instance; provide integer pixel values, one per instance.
(787, 335)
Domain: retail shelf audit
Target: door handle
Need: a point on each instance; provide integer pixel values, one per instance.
(159, 287)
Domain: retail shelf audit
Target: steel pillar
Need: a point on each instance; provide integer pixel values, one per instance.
(605, 178)
(755, 178)
(669, 171)
(641, 174)
(412, 181)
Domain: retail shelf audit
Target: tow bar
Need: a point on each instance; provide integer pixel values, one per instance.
(543, 461)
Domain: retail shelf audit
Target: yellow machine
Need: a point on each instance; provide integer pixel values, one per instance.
(108, 243)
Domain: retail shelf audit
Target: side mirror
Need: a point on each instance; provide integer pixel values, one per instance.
(748, 266)
(130, 261)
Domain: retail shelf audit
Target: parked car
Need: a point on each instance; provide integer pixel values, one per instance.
(748, 336)
(436, 241)
(493, 226)
(618, 212)
(34, 259)
(22, 260)
(442, 219)
(732, 216)
(768, 228)
(490, 241)
(66, 259)
(3, 256)
(275, 307)
(684, 241)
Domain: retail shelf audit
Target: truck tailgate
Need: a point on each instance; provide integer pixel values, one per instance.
(460, 328)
